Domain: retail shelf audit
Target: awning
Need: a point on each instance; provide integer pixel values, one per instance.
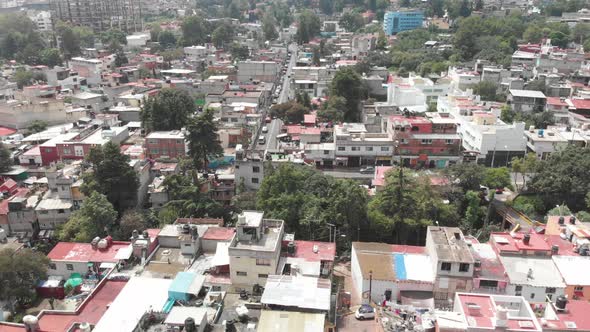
(124, 253)
(417, 299)
(221, 257)
(107, 265)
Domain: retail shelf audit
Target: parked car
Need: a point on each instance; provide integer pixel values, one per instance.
(365, 311)
(367, 170)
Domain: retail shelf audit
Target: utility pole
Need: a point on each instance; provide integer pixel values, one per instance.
(370, 285)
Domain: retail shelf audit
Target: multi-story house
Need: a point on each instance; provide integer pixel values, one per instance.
(165, 144)
(483, 134)
(78, 146)
(255, 251)
(89, 69)
(527, 100)
(265, 71)
(452, 262)
(395, 22)
(99, 15)
(354, 146)
(425, 142)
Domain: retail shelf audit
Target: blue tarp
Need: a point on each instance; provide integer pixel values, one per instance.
(178, 290)
(400, 267)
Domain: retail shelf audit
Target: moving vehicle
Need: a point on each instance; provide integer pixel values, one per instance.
(367, 170)
(261, 140)
(264, 129)
(365, 311)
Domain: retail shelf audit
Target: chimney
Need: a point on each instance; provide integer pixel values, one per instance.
(526, 239)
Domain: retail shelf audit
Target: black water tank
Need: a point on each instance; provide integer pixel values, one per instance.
(526, 239)
(230, 326)
(561, 302)
(561, 220)
(189, 325)
(572, 220)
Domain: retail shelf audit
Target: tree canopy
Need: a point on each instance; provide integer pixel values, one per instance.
(5, 160)
(194, 30)
(348, 84)
(21, 271)
(167, 110)
(202, 139)
(96, 217)
(112, 176)
(308, 27)
(351, 21)
(290, 112)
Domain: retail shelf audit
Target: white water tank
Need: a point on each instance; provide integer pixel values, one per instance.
(31, 323)
(84, 327)
(103, 244)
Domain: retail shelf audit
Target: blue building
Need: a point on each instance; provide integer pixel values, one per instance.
(395, 22)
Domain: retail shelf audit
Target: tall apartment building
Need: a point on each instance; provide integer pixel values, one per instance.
(99, 15)
(395, 22)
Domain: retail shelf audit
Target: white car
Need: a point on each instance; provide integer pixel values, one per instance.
(365, 311)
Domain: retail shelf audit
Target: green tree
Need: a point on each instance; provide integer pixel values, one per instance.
(23, 78)
(36, 126)
(327, 7)
(167, 39)
(347, 83)
(507, 114)
(112, 176)
(333, 110)
(19, 39)
(21, 272)
(581, 32)
(351, 21)
(222, 35)
(167, 110)
(203, 141)
(187, 200)
(130, 221)
(5, 160)
(113, 35)
(269, 27)
(194, 30)
(121, 59)
(497, 177)
(406, 206)
(308, 27)
(239, 52)
(525, 166)
(474, 213)
(564, 175)
(533, 33)
(559, 39)
(469, 176)
(85, 36)
(50, 57)
(487, 90)
(290, 112)
(96, 217)
(155, 31)
(70, 42)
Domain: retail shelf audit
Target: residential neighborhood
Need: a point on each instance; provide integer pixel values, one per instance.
(294, 165)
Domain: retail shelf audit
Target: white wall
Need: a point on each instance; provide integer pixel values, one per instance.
(62, 270)
(539, 292)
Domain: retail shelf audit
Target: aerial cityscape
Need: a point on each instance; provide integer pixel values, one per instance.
(294, 165)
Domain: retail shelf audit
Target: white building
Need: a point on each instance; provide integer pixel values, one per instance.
(42, 20)
(463, 79)
(482, 131)
(355, 146)
(533, 278)
(90, 69)
(199, 52)
(265, 71)
(137, 40)
(527, 100)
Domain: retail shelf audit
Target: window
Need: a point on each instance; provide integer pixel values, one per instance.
(48, 150)
(256, 169)
(262, 261)
(463, 267)
(326, 152)
(449, 141)
(254, 180)
(67, 151)
(550, 290)
(403, 141)
(385, 148)
(445, 266)
(154, 151)
(341, 148)
(355, 148)
(532, 295)
(70, 267)
(518, 288)
(152, 141)
(52, 266)
(241, 274)
(61, 211)
(414, 128)
(262, 275)
(187, 244)
(579, 289)
(426, 141)
(43, 212)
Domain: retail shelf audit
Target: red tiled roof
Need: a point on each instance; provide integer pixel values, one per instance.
(304, 249)
(219, 233)
(516, 244)
(5, 131)
(20, 192)
(556, 101)
(581, 104)
(577, 312)
(311, 131)
(294, 129)
(8, 186)
(91, 310)
(379, 179)
(83, 252)
(200, 221)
